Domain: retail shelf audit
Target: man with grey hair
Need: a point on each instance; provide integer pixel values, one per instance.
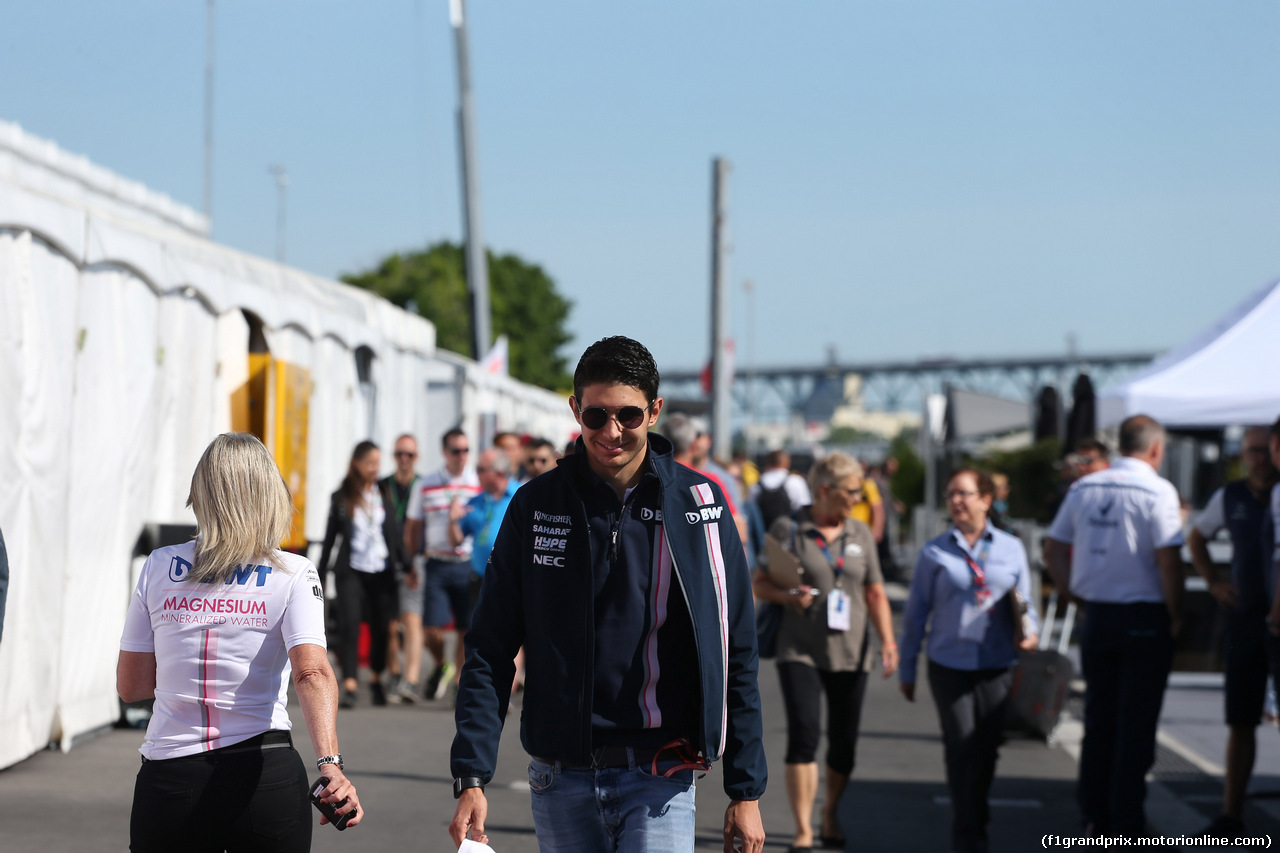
(480, 517)
(1115, 545)
(685, 434)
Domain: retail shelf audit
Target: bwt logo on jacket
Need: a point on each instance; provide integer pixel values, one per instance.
(707, 513)
(647, 514)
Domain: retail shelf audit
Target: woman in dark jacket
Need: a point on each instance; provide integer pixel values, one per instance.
(367, 567)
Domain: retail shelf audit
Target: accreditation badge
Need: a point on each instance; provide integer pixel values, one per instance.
(838, 610)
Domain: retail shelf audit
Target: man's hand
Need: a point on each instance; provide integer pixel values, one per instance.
(742, 822)
(1225, 593)
(908, 690)
(469, 817)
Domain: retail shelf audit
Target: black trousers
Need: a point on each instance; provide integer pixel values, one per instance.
(364, 597)
(254, 801)
(802, 689)
(1126, 651)
(971, 708)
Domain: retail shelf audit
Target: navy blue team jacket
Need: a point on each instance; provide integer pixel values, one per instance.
(538, 592)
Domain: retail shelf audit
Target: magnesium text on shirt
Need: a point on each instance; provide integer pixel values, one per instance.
(198, 609)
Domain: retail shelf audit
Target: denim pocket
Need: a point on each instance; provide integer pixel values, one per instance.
(542, 777)
(683, 777)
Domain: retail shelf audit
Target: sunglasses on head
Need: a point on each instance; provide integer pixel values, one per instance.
(629, 417)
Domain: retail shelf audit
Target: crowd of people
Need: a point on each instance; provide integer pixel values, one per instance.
(586, 581)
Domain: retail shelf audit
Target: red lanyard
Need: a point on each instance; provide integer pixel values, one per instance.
(980, 591)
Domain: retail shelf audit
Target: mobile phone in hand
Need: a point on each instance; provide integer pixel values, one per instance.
(329, 810)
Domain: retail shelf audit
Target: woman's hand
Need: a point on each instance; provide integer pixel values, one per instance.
(889, 658)
(1029, 643)
(800, 597)
(340, 786)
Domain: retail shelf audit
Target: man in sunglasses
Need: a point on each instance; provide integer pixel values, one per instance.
(401, 485)
(448, 572)
(622, 574)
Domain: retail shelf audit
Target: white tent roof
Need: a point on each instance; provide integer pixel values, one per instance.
(1225, 375)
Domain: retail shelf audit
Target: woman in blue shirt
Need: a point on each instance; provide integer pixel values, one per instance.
(961, 589)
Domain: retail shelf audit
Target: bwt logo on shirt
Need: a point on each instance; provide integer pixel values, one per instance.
(180, 568)
(707, 513)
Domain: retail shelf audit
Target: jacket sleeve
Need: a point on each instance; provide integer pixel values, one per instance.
(496, 634)
(745, 771)
(393, 533)
(331, 531)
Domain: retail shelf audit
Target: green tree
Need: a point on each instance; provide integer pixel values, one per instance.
(522, 300)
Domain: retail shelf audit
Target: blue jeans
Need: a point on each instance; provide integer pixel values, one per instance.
(623, 809)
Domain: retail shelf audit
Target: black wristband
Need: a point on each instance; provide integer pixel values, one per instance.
(460, 785)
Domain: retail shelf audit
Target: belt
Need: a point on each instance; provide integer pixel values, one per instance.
(607, 757)
(274, 739)
(604, 757)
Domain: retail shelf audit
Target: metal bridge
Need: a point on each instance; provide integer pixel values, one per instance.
(779, 393)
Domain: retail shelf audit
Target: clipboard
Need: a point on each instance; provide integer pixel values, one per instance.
(784, 567)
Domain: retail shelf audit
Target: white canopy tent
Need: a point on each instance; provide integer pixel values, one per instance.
(1221, 377)
(125, 334)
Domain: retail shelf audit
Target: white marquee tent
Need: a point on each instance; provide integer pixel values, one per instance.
(1223, 376)
(124, 335)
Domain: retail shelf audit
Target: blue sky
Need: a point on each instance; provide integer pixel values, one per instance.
(909, 179)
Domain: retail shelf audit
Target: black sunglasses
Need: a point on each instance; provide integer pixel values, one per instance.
(629, 417)
(458, 451)
(405, 454)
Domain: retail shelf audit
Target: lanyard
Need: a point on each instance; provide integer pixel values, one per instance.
(978, 567)
(402, 504)
(837, 565)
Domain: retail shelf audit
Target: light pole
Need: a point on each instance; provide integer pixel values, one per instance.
(282, 191)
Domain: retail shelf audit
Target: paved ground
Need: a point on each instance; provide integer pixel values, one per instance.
(896, 801)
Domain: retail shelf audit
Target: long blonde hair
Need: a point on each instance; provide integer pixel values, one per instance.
(242, 505)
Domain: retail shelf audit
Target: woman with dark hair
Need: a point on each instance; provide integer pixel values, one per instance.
(214, 629)
(366, 570)
(972, 588)
(834, 598)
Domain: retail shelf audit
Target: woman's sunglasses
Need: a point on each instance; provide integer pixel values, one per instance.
(629, 417)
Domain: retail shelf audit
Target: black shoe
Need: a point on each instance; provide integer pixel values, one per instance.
(433, 683)
(379, 695)
(348, 700)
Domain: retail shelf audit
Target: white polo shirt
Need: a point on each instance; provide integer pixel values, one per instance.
(222, 650)
(1115, 520)
(432, 496)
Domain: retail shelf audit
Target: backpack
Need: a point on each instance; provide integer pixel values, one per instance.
(773, 503)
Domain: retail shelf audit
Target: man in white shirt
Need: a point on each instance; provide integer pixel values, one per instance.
(447, 592)
(1115, 545)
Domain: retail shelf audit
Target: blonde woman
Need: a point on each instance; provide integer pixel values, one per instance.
(836, 602)
(214, 630)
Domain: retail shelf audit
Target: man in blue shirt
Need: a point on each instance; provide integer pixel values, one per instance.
(481, 516)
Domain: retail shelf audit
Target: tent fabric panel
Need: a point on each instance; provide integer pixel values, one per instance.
(37, 345)
(186, 335)
(1213, 380)
(56, 222)
(113, 432)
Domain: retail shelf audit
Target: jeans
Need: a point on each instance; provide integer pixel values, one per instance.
(623, 809)
(1125, 651)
